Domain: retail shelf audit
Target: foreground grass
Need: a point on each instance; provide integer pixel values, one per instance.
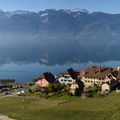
(23, 108)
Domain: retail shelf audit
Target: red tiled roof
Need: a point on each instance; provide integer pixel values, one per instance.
(80, 72)
(98, 72)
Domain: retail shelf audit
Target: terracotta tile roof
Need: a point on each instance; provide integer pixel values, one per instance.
(80, 72)
(99, 72)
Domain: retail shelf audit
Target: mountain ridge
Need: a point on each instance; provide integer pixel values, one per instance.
(59, 36)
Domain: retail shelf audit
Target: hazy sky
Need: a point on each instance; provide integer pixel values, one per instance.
(110, 6)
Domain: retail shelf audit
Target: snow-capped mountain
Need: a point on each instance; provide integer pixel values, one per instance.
(20, 12)
(59, 36)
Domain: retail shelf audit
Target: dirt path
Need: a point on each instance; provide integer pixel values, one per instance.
(2, 117)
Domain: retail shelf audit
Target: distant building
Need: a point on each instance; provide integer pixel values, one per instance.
(80, 73)
(115, 83)
(105, 88)
(44, 80)
(116, 73)
(67, 77)
(7, 82)
(73, 88)
(97, 75)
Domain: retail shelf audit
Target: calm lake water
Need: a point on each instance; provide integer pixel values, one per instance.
(26, 72)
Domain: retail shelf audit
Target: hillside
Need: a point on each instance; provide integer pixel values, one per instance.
(20, 108)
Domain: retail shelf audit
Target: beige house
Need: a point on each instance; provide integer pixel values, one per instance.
(73, 87)
(42, 83)
(97, 75)
(44, 80)
(105, 88)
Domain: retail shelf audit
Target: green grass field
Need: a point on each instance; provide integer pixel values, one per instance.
(21, 108)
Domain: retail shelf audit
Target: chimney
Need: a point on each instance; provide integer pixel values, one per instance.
(99, 69)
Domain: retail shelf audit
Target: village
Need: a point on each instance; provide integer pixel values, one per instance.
(94, 80)
(75, 92)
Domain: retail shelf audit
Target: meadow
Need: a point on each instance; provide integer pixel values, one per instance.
(63, 108)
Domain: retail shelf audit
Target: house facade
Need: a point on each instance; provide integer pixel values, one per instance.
(44, 80)
(43, 83)
(80, 74)
(115, 83)
(105, 88)
(67, 77)
(73, 87)
(97, 75)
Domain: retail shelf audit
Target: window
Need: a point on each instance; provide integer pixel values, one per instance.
(69, 80)
(67, 76)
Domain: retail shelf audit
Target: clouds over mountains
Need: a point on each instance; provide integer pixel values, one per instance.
(59, 36)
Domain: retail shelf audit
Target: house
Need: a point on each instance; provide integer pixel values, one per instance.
(115, 83)
(97, 75)
(77, 88)
(80, 73)
(44, 80)
(105, 88)
(73, 87)
(67, 77)
(7, 82)
(116, 73)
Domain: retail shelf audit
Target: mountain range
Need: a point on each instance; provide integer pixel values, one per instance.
(59, 36)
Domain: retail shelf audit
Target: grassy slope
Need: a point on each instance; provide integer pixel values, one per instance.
(106, 108)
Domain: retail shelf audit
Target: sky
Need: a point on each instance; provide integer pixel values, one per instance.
(109, 6)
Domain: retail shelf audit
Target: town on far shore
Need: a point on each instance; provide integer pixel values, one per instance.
(94, 80)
